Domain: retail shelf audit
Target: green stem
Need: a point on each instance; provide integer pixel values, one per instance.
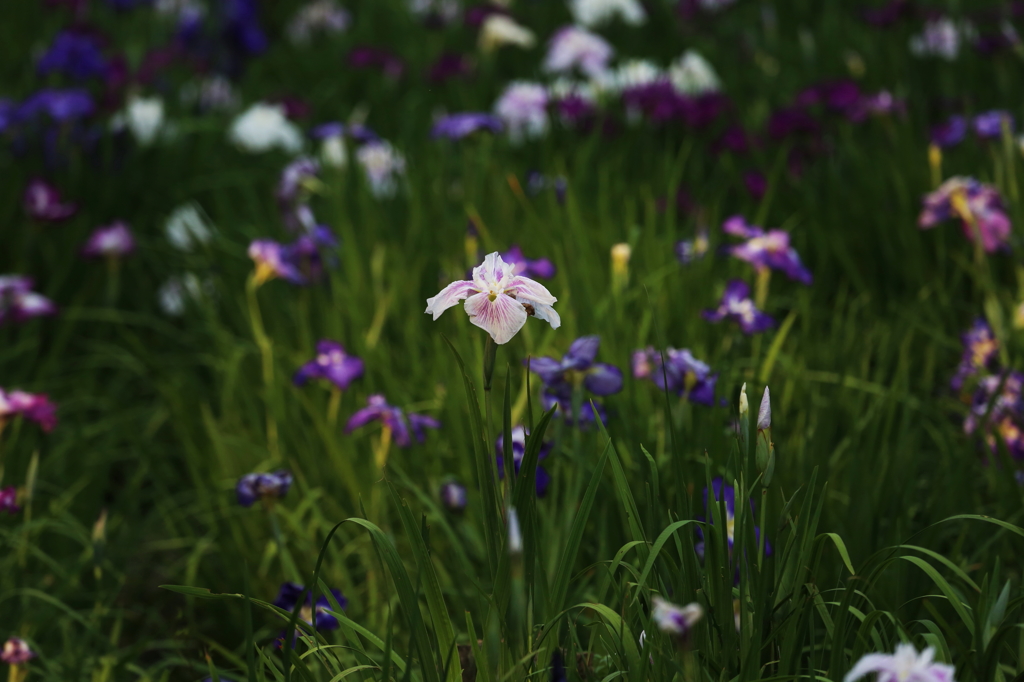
(267, 357)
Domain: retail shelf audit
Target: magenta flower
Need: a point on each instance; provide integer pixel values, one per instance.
(272, 260)
(19, 303)
(393, 418)
(9, 500)
(497, 300)
(737, 306)
(977, 205)
(980, 349)
(16, 651)
(331, 363)
(541, 268)
(112, 241)
(906, 665)
(35, 407)
(367, 57)
(450, 65)
(43, 202)
(765, 250)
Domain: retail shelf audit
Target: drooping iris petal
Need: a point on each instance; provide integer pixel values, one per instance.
(448, 297)
(502, 318)
(583, 352)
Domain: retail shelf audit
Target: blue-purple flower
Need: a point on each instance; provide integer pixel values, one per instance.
(950, 133)
(997, 410)
(19, 303)
(111, 241)
(74, 53)
(332, 364)
(404, 427)
(297, 181)
(978, 207)
(16, 651)
(766, 250)
(681, 374)
(534, 268)
(578, 367)
(61, 106)
(458, 126)
(980, 348)
(453, 497)
(727, 494)
(43, 202)
(264, 487)
(288, 598)
(737, 306)
(519, 435)
(273, 260)
(989, 125)
(34, 407)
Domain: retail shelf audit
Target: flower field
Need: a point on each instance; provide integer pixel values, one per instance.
(568, 340)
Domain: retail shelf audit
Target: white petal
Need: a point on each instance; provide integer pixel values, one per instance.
(547, 313)
(501, 318)
(528, 290)
(449, 296)
(869, 664)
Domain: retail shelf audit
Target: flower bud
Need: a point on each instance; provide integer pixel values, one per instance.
(764, 413)
(515, 535)
(744, 405)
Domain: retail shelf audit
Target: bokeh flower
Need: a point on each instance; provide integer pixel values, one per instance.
(573, 47)
(737, 306)
(403, 427)
(941, 37)
(272, 261)
(688, 251)
(33, 407)
(332, 364)
(288, 598)
(16, 651)
(592, 13)
(980, 348)
(263, 127)
(691, 74)
(675, 620)
(453, 497)
(382, 166)
(950, 133)
(519, 436)
(43, 202)
(497, 300)
(681, 373)
(458, 126)
(978, 207)
(906, 665)
(989, 125)
(533, 268)
(76, 54)
(111, 241)
(997, 410)
(19, 303)
(326, 17)
(186, 228)
(264, 487)
(766, 250)
(499, 30)
(144, 117)
(9, 500)
(522, 107)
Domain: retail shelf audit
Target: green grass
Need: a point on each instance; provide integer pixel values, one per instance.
(875, 509)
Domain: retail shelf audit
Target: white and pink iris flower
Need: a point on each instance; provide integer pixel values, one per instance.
(497, 300)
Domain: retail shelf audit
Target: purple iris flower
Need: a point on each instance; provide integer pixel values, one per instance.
(534, 268)
(519, 435)
(311, 251)
(9, 500)
(737, 306)
(578, 367)
(790, 122)
(453, 497)
(756, 184)
(587, 415)
(458, 126)
(273, 260)
(288, 598)
(60, 105)
(19, 303)
(33, 407)
(997, 409)
(989, 125)
(980, 349)
(367, 57)
(658, 100)
(950, 133)
(265, 487)
(293, 188)
(331, 363)
(764, 250)
(42, 201)
(686, 375)
(978, 206)
(242, 28)
(75, 54)
(394, 418)
(450, 65)
(112, 241)
(727, 494)
(735, 139)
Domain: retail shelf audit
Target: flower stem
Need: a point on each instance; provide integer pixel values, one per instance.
(267, 356)
(332, 407)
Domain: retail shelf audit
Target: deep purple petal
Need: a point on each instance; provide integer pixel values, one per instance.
(603, 379)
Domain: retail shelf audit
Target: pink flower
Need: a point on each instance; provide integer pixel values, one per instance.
(114, 240)
(32, 406)
(497, 300)
(43, 202)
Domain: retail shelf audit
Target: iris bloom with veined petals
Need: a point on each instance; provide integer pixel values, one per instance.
(766, 249)
(460, 125)
(977, 205)
(19, 303)
(497, 300)
(111, 241)
(578, 367)
(395, 419)
(331, 363)
(16, 651)
(267, 487)
(737, 306)
(519, 435)
(980, 348)
(43, 202)
(9, 500)
(906, 665)
(528, 267)
(35, 407)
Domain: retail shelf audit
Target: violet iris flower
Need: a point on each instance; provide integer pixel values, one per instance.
(453, 497)
(19, 303)
(458, 126)
(519, 435)
(293, 188)
(288, 598)
(273, 260)
(9, 500)
(43, 202)
(356, 131)
(75, 54)
(727, 494)
(367, 57)
(997, 409)
(60, 105)
(266, 487)
(980, 349)
(394, 418)
(950, 133)
(34, 407)
(331, 363)
(586, 416)
(578, 367)
(906, 665)
(989, 125)
(737, 306)
(534, 268)
(309, 252)
(16, 651)
(978, 207)
(450, 65)
(686, 375)
(112, 241)
(765, 250)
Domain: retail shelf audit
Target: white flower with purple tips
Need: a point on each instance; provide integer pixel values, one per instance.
(111, 241)
(906, 665)
(19, 303)
(675, 620)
